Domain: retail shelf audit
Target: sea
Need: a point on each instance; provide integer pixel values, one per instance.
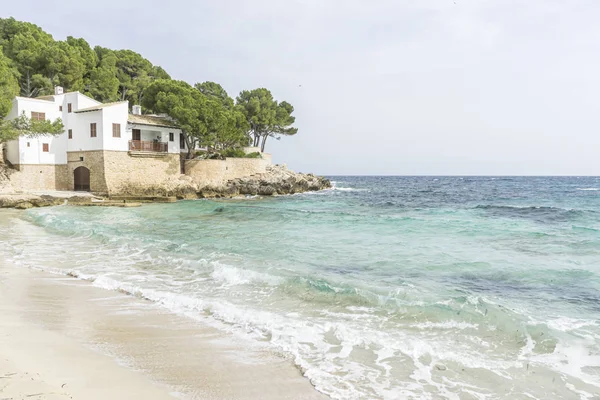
(379, 288)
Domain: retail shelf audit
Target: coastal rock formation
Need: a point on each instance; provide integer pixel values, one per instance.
(30, 200)
(277, 180)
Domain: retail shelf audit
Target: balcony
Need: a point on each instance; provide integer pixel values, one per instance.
(148, 146)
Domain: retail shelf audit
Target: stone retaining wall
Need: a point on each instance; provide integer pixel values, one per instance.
(218, 172)
(40, 177)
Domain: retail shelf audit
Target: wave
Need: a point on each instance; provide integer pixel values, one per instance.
(589, 189)
(538, 213)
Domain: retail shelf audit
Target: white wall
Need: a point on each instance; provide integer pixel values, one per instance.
(20, 153)
(80, 124)
(30, 150)
(116, 114)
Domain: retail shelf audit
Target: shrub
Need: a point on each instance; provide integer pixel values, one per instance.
(234, 153)
(256, 154)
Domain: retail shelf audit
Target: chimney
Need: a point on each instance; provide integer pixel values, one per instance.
(58, 90)
(136, 110)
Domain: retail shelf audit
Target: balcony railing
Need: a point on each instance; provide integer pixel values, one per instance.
(143, 145)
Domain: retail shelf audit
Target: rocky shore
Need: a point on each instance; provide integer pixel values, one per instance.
(277, 180)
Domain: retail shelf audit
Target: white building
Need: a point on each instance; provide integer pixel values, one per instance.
(94, 134)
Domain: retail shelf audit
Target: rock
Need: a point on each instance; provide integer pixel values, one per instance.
(440, 367)
(24, 205)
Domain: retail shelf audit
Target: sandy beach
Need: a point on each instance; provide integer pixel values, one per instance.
(62, 338)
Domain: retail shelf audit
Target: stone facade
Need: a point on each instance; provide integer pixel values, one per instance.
(119, 172)
(218, 172)
(92, 160)
(133, 173)
(40, 177)
(130, 173)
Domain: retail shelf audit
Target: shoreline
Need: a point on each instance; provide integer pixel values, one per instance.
(63, 338)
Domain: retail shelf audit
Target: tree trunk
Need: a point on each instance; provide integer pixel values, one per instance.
(191, 145)
(262, 146)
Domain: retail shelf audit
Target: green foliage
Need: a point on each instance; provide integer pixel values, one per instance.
(184, 104)
(234, 153)
(135, 74)
(41, 63)
(32, 62)
(265, 116)
(9, 86)
(215, 91)
(102, 83)
(24, 126)
(255, 154)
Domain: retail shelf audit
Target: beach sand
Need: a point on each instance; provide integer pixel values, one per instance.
(62, 338)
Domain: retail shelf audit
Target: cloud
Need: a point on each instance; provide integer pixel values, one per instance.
(388, 86)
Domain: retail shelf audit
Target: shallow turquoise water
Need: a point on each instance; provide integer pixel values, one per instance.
(384, 288)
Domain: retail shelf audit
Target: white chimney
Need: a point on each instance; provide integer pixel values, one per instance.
(136, 110)
(58, 90)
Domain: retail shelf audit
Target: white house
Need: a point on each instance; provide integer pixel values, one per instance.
(95, 134)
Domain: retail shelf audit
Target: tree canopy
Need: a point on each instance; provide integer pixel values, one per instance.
(266, 117)
(42, 62)
(32, 63)
(209, 121)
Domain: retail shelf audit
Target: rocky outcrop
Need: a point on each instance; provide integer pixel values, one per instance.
(277, 180)
(25, 201)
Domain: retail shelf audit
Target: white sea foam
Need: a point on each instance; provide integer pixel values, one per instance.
(445, 325)
(229, 275)
(589, 189)
(566, 324)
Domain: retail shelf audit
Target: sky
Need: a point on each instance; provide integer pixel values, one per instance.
(381, 87)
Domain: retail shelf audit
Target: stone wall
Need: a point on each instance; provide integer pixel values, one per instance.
(39, 177)
(142, 173)
(92, 160)
(218, 172)
(118, 172)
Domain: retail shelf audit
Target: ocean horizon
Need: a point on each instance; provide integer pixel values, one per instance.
(383, 287)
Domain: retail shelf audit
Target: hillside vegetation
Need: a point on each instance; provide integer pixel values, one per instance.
(32, 62)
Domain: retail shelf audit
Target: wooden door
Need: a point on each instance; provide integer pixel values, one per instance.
(81, 177)
(136, 134)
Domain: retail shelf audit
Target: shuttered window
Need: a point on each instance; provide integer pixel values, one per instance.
(70, 133)
(117, 130)
(171, 137)
(45, 147)
(69, 108)
(93, 129)
(38, 116)
(59, 108)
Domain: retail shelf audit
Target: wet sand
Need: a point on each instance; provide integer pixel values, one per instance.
(62, 338)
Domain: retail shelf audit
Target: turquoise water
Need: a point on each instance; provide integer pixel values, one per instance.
(383, 288)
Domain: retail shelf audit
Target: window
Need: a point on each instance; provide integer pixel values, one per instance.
(69, 108)
(117, 130)
(70, 133)
(45, 147)
(38, 116)
(59, 108)
(171, 137)
(28, 144)
(181, 141)
(93, 129)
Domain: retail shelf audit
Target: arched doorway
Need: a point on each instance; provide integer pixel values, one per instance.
(82, 179)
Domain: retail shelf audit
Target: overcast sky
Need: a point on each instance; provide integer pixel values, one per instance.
(388, 87)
